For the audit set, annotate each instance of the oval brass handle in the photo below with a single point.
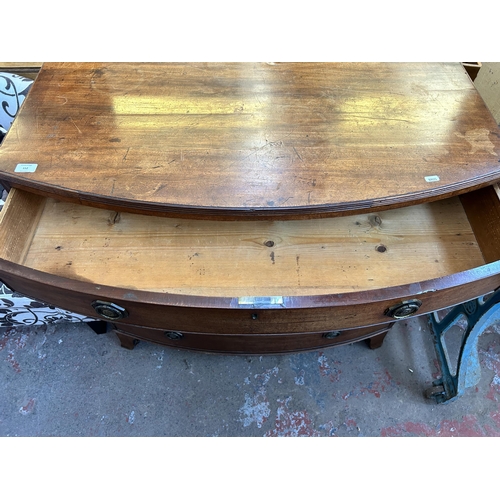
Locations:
(174, 335)
(403, 309)
(108, 310)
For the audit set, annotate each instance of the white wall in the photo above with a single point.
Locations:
(487, 83)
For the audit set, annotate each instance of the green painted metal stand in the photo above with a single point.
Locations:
(478, 315)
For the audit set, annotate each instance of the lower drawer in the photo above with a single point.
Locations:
(249, 343)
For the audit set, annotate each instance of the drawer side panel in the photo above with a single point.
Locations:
(19, 220)
(483, 211)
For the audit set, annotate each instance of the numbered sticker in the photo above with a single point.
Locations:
(431, 178)
(26, 167)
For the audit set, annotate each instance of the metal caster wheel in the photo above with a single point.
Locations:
(435, 392)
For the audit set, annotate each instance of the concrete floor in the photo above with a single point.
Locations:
(64, 380)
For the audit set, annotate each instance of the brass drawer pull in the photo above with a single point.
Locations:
(403, 309)
(331, 335)
(174, 335)
(108, 310)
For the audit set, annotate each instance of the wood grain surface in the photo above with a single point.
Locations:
(250, 258)
(252, 139)
(19, 220)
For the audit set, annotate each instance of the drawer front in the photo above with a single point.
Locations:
(249, 343)
(33, 228)
(202, 314)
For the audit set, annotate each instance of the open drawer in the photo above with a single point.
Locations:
(251, 277)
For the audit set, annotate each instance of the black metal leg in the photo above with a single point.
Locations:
(479, 314)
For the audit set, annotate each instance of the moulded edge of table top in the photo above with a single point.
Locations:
(236, 140)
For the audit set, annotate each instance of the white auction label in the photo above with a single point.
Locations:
(260, 301)
(431, 178)
(26, 167)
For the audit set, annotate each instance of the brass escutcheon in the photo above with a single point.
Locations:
(108, 310)
(403, 309)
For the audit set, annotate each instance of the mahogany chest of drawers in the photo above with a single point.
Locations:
(251, 208)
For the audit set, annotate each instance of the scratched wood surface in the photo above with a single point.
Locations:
(252, 258)
(252, 139)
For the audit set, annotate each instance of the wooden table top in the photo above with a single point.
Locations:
(252, 139)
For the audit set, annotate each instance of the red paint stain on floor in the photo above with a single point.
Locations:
(326, 370)
(467, 427)
(291, 423)
(28, 407)
(14, 344)
(380, 384)
(491, 393)
(13, 362)
(20, 342)
(495, 418)
(351, 424)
